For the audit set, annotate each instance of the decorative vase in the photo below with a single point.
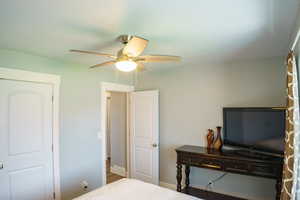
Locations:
(218, 142)
(210, 138)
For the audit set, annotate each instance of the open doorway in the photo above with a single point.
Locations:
(116, 130)
(141, 133)
(107, 157)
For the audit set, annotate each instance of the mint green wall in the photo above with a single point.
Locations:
(80, 149)
(191, 101)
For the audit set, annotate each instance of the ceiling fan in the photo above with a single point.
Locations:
(129, 57)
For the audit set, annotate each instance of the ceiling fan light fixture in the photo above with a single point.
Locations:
(130, 57)
(126, 65)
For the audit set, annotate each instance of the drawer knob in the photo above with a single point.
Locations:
(211, 166)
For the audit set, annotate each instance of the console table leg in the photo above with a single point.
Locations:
(187, 176)
(278, 188)
(179, 177)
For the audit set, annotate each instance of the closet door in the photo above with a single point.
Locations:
(26, 160)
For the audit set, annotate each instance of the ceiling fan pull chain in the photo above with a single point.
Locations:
(116, 75)
(135, 77)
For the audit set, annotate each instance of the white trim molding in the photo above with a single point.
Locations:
(104, 88)
(167, 185)
(54, 80)
(121, 171)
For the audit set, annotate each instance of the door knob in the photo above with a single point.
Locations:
(1, 166)
(154, 145)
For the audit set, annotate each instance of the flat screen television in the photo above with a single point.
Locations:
(261, 129)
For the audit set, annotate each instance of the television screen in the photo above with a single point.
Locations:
(256, 128)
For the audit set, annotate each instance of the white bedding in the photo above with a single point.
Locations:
(131, 189)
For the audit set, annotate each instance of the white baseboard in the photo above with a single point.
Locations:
(167, 185)
(121, 171)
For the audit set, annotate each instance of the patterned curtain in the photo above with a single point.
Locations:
(290, 179)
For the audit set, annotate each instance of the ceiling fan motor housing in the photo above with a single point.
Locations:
(124, 39)
(122, 57)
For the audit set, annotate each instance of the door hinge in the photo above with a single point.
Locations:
(53, 195)
(52, 147)
(52, 98)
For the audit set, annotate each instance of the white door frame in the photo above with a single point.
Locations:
(104, 88)
(54, 80)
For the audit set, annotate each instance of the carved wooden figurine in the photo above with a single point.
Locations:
(218, 142)
(210, 138)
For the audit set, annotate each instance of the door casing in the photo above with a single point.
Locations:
(104, 88)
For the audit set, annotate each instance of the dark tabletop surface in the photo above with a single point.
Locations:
(225, 153)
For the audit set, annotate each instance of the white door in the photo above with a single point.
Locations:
(144, 137)
(26, 166)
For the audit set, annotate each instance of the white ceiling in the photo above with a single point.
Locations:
(195, 29)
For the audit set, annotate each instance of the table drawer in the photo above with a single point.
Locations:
(203, 162)
(237, 167)
(261, 169)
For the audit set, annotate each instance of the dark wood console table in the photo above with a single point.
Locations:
(227, 161)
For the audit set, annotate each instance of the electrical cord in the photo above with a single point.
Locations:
(210, 183)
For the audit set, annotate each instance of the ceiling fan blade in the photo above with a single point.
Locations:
(135, 46)
(159, 58)
(104, 64)
(95, 53)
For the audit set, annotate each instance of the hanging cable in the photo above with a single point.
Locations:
(211, 182)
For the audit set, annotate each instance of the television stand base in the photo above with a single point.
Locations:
(225, 161)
